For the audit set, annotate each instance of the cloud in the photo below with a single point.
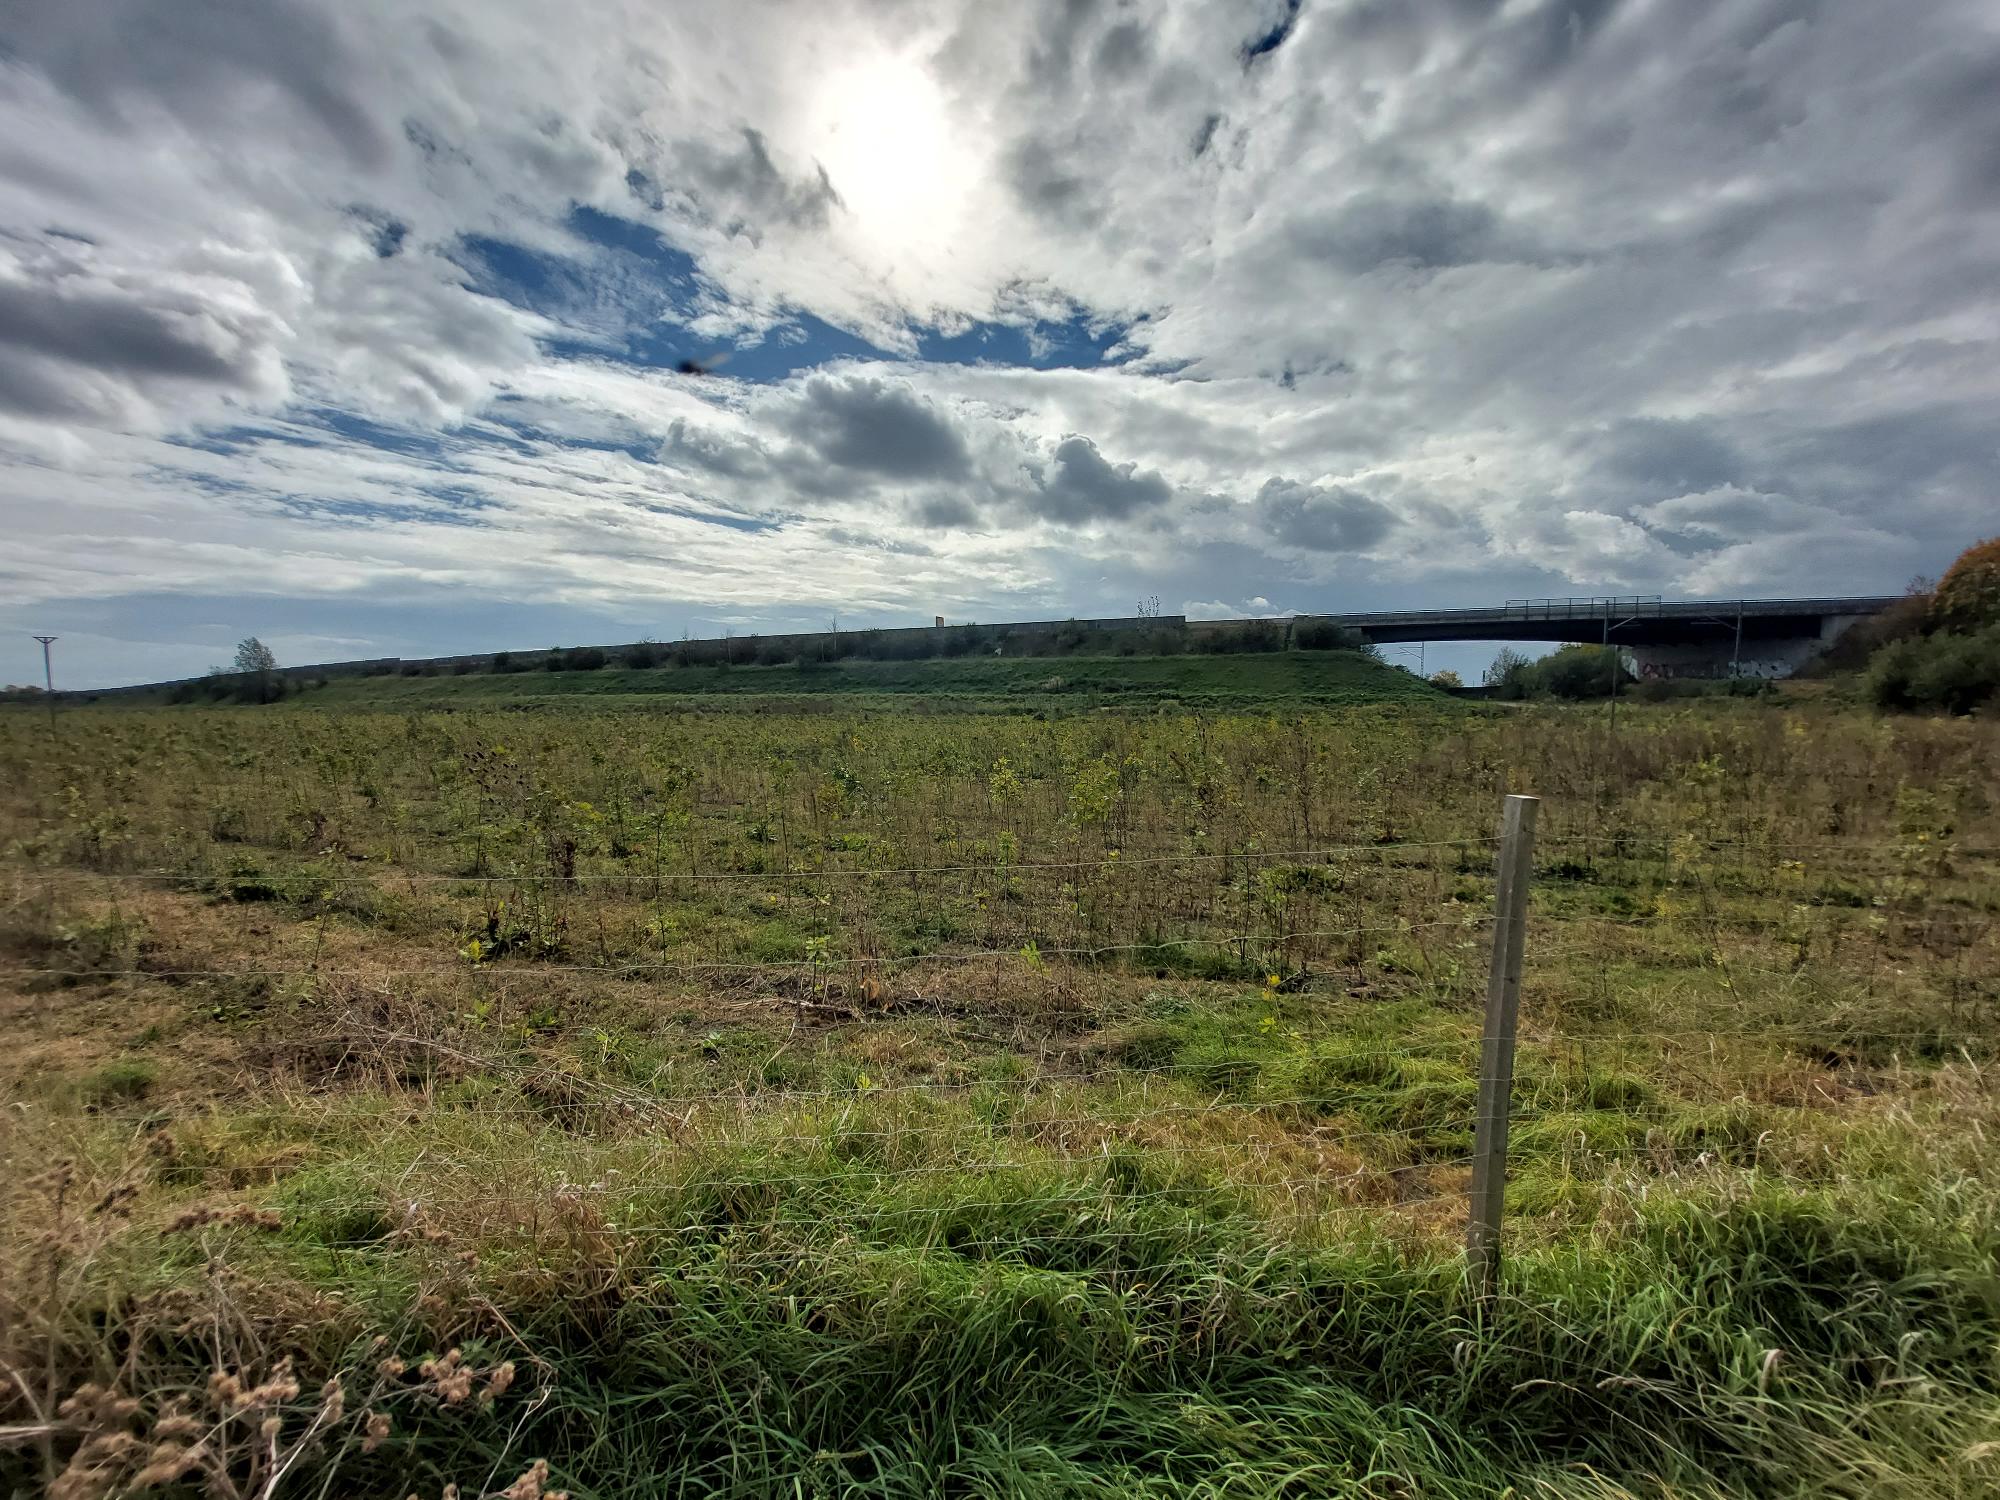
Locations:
(205, 64)
(875, 426)
(1669, 454)
(1254, 608)
(1382, 229)
(1322, 520)
(79, 339)
(1082, 486)
(740, 185)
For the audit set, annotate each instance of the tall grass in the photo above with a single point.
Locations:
(829, 1104)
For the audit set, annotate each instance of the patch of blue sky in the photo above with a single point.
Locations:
(749, 524)
(1076, 343)
(628, 299)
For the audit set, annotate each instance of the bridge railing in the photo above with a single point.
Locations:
(1570, 609)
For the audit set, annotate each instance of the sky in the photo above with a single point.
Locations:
(407, 327)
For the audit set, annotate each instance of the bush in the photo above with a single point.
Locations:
(1855, 647)
(645, 654)
(1578, 672)
(1954, 673)
(1249, 636)
(1324, 635)
(1574, 672)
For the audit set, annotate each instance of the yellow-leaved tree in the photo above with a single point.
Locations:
(1968, 596)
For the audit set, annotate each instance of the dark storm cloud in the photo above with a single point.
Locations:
(1322, 520)
(876, 427)
(1083, 486)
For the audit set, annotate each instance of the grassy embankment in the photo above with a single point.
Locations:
(1307, 678)
(840, 1104)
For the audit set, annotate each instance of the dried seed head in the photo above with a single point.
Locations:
(498, 1379)
(529, 1485)
(167, 1463)
(376, 1428)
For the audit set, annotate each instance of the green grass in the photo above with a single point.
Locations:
(1327, 678)
(826, 1306)
(1114, 1143)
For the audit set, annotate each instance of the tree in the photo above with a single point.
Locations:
(1507, 668)
(1579, 671)
(1447, 679)
(1968, 596)
(254, 656)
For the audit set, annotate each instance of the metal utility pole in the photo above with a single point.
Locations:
(48, 674)
(1612, 659)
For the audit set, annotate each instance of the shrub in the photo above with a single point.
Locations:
(1249, 636)
(1577, 672)
(1574, 672)
(1324, 635)
(1968, 596)
(645, 654)
(1955, 673)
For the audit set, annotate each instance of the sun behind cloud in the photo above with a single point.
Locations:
(882, 131)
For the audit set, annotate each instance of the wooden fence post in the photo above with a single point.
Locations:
(1496, 1054)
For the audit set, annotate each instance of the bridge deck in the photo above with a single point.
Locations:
(1632, 621)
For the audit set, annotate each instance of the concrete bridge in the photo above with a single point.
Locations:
(1666, 638)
